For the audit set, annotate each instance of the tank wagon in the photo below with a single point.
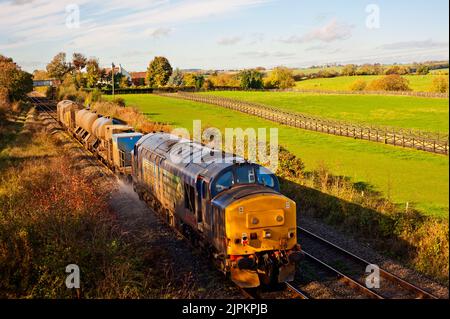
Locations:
(231, 208)
(109, 139)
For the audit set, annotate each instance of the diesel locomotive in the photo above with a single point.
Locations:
(233, 209)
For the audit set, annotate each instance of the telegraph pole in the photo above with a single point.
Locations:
(112, 72)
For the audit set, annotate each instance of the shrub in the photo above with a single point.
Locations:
(119, 101)
(440, 84)
(358, 85)
(393, 82)
(397, 69)
(281, 78)
(93, 96)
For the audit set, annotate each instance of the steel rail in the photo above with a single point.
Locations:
(300, 294)
(346, 279)
(385, 274)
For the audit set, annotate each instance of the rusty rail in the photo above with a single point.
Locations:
(418, 292)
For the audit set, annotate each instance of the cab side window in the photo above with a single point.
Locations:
(224, 182)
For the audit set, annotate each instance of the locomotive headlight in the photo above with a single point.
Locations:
(255, 221)
(291, 233)
(267, 234)
(279, 218)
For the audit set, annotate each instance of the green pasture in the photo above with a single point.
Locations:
(428, 114)
(403, 175)
(418, 83)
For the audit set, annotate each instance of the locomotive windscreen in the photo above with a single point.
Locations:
(244, 174)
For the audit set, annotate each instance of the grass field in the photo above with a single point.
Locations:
(402, 175)
(418, 83)
(427, 114)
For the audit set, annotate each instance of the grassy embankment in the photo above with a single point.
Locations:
(54, 212)
(417, 83)
(351, 184)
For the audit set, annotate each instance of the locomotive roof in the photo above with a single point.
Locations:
(186, 157)
(235, 193)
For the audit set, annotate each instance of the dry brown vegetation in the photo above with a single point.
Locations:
(130, 115)
(54, 212)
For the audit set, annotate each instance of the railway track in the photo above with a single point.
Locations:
(49, 108)
(346, 276)
(353, 269)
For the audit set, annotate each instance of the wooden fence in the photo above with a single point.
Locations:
(396, 93)
(420, 140)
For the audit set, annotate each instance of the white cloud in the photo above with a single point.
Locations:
(332, 31)
(103, 22)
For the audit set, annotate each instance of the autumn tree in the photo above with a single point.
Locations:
(440, 84)
(79, 61)
(397, 69)
(393, 82)
(225, 79)
(358, 85)
(176, 79)
(251, 79)
(280, 77)
(194, 80)
(189, 79)
(349, 70)
(58, 67)
(93, 72)
(159, 72)
(13, 81)
(423, 69)
(40, 75)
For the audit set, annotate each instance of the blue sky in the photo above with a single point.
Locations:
(225, 34)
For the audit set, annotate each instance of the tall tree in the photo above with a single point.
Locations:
(176, 79)
(251, 79)
(13, 80)
(58, 67)
(159, 72)
(349, 70)
(93, 72)
(280, 77)
(79, 61)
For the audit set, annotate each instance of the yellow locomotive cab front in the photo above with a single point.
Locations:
(261, 233)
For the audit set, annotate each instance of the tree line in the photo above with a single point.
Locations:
(81, 72)
(161, 74)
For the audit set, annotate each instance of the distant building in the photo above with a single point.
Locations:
(138, 78)
(117, 70)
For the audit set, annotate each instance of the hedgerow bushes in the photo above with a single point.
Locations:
(403, 233)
